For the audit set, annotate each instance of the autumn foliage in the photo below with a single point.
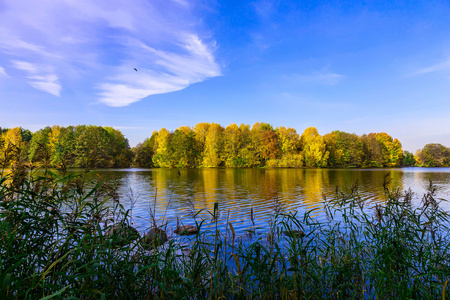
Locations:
(79, 146)
(209, 145)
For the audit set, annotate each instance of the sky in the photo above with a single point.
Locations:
(141, 65)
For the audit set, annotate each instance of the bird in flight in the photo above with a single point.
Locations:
(135, 69)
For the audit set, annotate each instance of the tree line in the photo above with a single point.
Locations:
(209, 145)
(82, 146)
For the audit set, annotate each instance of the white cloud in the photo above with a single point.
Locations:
(101, 42)
(3, 72)
(444, 65)
(24, 66)
(47, 86)
(10, 44)
(137, 87)
(41, 78)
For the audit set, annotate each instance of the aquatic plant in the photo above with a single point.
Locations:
(54, 244)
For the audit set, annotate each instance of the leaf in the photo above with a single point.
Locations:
(55, 293)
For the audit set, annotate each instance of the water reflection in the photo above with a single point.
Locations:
(182, 193)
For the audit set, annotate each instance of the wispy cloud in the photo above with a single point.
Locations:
(319, 77)
(24, 66)
(444, 65)
(48, 83)
(40, 77)
(3, 72)
(56, 44)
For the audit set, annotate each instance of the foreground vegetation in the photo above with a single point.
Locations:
(210, 145)
(56, 242)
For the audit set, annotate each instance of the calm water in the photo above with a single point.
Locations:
(181, 193)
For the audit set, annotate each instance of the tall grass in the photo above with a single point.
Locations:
(54, 244)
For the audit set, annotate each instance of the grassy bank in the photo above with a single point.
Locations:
(60, 240)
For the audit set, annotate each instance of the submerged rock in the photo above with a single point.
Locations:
(294, 233)
(186, 230)
(154, 237)
(123, 234)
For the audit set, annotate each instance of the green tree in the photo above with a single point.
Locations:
(26, 135)
(183, 148)
(392, 151)
(119, 149)
(433, 155)
(372, 151)
(346, 149)
(380, 150)
(143, 152)
(92, 147)
(39, 151)
(395, 154)
(249, 155)
(62, 145)
(408, 159)
(232, 144)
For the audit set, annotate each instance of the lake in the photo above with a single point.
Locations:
(181, 193)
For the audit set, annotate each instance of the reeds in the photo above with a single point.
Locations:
(54, 244)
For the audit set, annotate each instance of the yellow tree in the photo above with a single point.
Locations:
(2, 143)
(162, 156)
(212, 155)
(12, 145)
(186, 129)
(232, 143)
(396, 153)
(386, 146)
(289, 144)
(314, 148)
(62, 146)
(346, 149)
(200, 131)
(382, 151)
(288, 139)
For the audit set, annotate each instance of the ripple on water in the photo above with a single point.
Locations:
(237, 191)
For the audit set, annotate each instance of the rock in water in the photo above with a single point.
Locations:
(154, 237)
(186, 230)
(123, 234)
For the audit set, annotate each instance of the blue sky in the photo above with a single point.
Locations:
(354, 66)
